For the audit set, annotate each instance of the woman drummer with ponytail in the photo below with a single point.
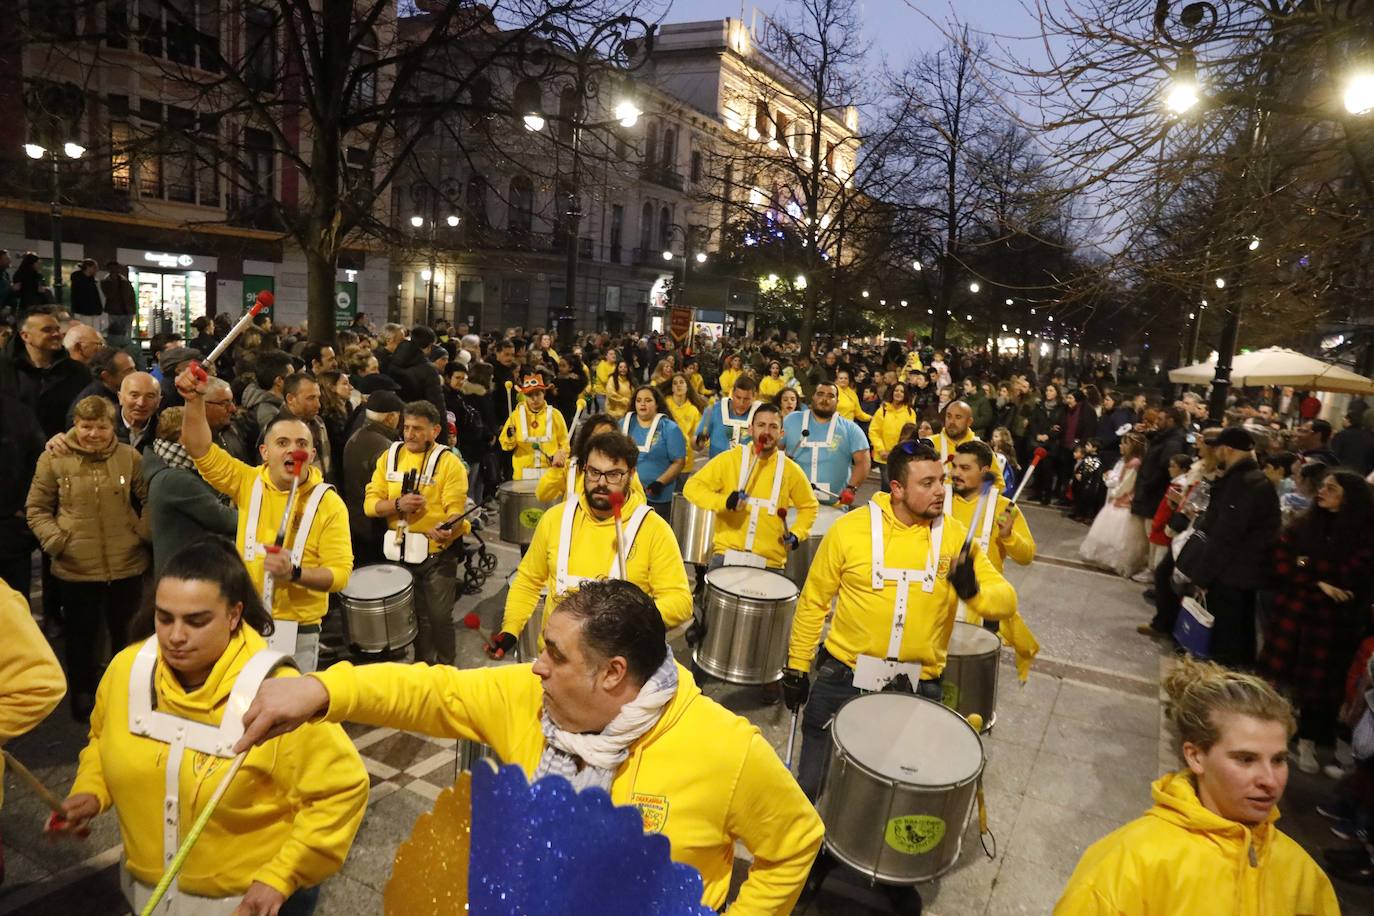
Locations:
(1209, 844)
(160, 743)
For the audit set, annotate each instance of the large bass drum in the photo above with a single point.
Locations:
(799, 561)
(970, 676)
(748, 620)
(521, 511)
(901, 785)
(695, 530)
(379, 608)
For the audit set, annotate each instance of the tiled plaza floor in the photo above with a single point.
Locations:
(1071, 758)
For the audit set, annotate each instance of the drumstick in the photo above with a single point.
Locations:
(264, 300)
(180, 859)
(1039, 455)
(510, 406)
(617, 503)
(473, 622)
(792, 737)
(299, 466)
(988, 479)
(52, 801)
(755, 456)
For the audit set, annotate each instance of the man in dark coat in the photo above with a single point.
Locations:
(1152, 479)
(418, 378)
(40, 374)
(381, 425)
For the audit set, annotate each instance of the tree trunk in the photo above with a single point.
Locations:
(320, 272)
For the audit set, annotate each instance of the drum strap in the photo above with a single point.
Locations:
(653, 428)
(570, 487)
(984, 536)
(755, 504)
(522, 421)
(815, 445)
(181, 734)
(905, 578)
(250, 532)
(564, 581)
(737, 428)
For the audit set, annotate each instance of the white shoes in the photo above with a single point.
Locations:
(1144, 577)
(1307, 756)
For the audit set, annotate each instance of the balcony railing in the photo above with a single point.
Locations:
(660, 175)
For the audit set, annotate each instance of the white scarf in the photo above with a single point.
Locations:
(603, 753)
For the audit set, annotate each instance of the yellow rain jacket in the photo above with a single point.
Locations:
(1180, 859)
(849, 406)
(444, 499)
(547, 422)
(287, 819)
(727, 381)
(698, 384)
(863, 618)
(31, 680)
(913, 361)
(769, 387)
(711, 486)
(1021, 548)
(654, 559)
(328, 543)
(604, 370)
(886, 429)
(702, 777)
(688, 418)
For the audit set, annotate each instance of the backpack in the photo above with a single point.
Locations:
(472, 432)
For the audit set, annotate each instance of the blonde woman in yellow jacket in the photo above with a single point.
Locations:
(885, 428)
(289, 816)
(31, 681)
(685, 406)
(1209, 843)
(734, 368)
(849, 406)
(700, 775)
(619, 388)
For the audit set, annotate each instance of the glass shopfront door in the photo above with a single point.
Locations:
(167, 300)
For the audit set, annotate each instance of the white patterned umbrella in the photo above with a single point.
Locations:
(1279, 366)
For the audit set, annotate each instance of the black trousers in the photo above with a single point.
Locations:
(1166, 599)
(88, 605)
(1233, 632)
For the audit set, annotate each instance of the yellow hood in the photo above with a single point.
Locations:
(206, 702)
(1176, 803)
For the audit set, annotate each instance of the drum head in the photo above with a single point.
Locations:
(748, 582)
(513, 487)
(825, 517)
(909, 740)
(971, 639)
(379, 581)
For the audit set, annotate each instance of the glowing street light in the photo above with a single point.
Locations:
(1359, 94)
(452, 221)
(627, 113)
(1183, 88)
(1254, 244)
(534, 122)
(974, 287)
(1009, 302)
(864, 294)
(701, 257)
(1221, 282)
(667, 255)
(417, 221)
(916, 266)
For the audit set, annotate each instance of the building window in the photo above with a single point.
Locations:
(258, 171)
(760, 120)
(475, 204)
(567, 113)
(520, 203)
(472, 293)
(696, 165)
(120, 168)
(358, 172)
(179, 166)
(665, 228)
(260, 38)
(209, 165)
(365, 71)
(617, 227)
(670, 151)
(780, 125)
(117, 23)
(646, 229)
(830, 158)
(650, 143)
(479, 101)
(528, 100)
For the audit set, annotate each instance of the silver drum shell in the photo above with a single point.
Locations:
(746, 638)
(695, 530)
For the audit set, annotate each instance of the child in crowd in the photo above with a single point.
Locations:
(1160, 537)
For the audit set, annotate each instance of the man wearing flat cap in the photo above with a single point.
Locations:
(1241, 526)
(381, 427)
(172, 361)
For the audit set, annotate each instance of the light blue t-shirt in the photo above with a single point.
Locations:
(720, 433)
(833, 463)
(654, 457)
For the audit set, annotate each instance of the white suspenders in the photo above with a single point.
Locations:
(874, 673)
(570, 487)
(400, 544)
(181, 734)
(653, 428)
(565, 581)
(737, 427)
(536, 442)
(251, 548)
(755, 504)
(989, 513)
(816, 445)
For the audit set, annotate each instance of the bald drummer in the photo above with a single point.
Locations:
(899, 576)
(957, 430)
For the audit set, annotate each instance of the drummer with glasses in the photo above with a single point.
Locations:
(421, 488)
(899, 574)
(831, 450)
(576, 542)
(317, 555)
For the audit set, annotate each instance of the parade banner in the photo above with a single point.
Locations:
(680, 323)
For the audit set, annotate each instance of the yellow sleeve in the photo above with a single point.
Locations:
(802, 498)
(453, 493)
(323, 776)
(223, 471)
(90, 772)
(31, 680)
(333, 544)
(782, 831)
(859, 411)
(532, 574)
(822, 585)
(476, 704)
(667, 575)
(377, 488)
(560, 431)
(875, 434)
(552, 484)
(708, 487)
(996, 599)
(1021, 545)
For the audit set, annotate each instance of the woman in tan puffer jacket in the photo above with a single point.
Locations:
(81, 507)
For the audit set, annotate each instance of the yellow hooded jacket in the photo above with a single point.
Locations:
(512, 441)
(444, 498)
(711, 486)
(849, 406)
(727, 381)
(1180, 859)
(31, 680)
(287, 819)
(702, 777)
(655, 563)
(863, 617)
(327, 545)
(1021, 548)
(770, 386)
(886, 429)
(688, 418)
(604, 370)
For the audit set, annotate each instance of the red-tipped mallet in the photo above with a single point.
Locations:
(989, 480)
(753, 455)
(473, 622)
(1036, 458)
(617, 501)
(57, 818)
(299, 466)
(265, 300)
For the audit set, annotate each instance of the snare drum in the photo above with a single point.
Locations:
(695, 530)
(748, 619)
(970, 676)
(379, 608)
(799, 561)
(521, 511)
(901, 785)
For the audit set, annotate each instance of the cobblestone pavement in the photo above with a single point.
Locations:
(1071, 758)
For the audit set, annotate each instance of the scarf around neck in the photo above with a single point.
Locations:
(603, 753)
(173, 454)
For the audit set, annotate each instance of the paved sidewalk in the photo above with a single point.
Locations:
(1071, 758)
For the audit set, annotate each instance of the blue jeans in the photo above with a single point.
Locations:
(832, 685)
(301, 903)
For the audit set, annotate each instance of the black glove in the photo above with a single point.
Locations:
(962, 578)
(734, 499)
(789, 540)
(502, 646)
(654, 488)
(796, 688)
(696, 632)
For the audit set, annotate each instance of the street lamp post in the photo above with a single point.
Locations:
(418, 192)
(72, 151)
(619, 45)
(680, 293)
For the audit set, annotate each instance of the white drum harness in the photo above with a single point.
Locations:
(522, 424)
(283, 638)
(564, 581)
(406, 546)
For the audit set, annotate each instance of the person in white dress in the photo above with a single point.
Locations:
(1116, 541)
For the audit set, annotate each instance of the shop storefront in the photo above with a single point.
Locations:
(170, 288)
